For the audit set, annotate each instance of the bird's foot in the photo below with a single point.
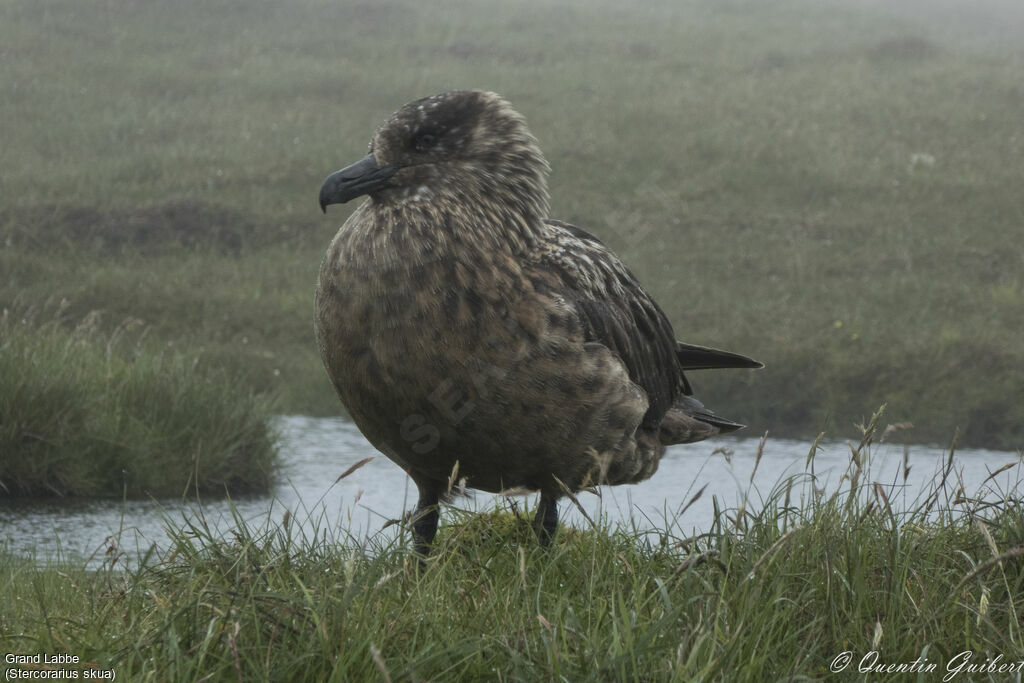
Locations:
(424, 521)
(545, 522)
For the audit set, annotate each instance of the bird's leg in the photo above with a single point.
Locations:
(546, 520)
(424, 522)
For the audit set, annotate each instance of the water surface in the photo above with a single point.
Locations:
(316, 451)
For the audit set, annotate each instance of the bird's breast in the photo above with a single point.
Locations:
(397, 324)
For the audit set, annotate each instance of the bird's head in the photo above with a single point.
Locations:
(463, 146)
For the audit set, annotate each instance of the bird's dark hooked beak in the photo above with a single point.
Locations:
(362, 177)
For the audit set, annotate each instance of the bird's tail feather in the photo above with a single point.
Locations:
(689, 421)
(692, 357)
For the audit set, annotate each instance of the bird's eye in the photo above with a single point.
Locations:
(424, 142)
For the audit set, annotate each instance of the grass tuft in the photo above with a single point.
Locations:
(87, 413)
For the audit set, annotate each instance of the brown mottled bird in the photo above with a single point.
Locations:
(468, 334)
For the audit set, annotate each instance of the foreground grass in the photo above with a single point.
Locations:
(831, 188)
(84, 413)
(764, 594)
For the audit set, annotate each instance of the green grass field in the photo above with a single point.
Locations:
(779, 592)
(832, 189)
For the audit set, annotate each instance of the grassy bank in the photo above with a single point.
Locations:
(832, 189)
(765, 594)
(85, 413)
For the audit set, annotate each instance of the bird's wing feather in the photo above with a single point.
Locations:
(614, 310)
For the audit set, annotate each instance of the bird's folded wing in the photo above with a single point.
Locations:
(615, 311)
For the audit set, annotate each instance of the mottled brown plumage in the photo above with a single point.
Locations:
(459, 324)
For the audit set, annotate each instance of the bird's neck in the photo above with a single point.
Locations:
(441, 227)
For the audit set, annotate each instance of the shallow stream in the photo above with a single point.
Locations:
(316, 451)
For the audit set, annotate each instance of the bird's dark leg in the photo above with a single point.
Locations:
(546, 520)
(424, 522)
